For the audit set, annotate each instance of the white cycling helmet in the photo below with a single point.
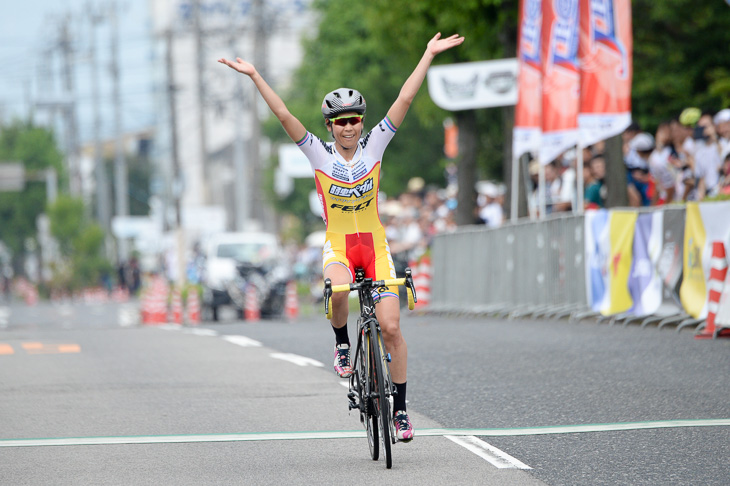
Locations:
(343, 100)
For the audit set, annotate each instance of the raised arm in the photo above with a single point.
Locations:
(291, 124)
(410, 88)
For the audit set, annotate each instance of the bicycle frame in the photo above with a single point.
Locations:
(371, 387)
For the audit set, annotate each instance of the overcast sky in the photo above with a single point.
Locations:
(29, 28)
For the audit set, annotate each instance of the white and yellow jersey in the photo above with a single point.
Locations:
(348, 192)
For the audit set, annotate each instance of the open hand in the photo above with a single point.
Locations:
(437, 44)
(240, 65)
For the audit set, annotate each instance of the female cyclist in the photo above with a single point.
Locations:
(347, 176)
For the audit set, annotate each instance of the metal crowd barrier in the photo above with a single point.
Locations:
(527, 268)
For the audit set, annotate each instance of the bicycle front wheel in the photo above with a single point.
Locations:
(367, 390)
(381, 402)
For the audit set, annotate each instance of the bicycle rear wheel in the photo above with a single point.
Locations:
(381, 402)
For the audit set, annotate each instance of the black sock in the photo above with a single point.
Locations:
(399, 400)
(341, 336)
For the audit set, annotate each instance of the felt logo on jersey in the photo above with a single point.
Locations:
(354, 208)
(357, 191)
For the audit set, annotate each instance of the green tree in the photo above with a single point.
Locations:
(35, 147)
(489, 27)
(680, 58)
(81, 244)
(373, 50)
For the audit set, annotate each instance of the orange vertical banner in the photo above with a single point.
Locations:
(560, 77)
(528, 111)
(606, 68)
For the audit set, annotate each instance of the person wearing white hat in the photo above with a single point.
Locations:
(722, 126)
(637, 169)
(490, 210)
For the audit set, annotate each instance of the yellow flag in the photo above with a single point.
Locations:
(693, 292)
(621, 233)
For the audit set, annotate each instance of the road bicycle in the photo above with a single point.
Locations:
(371, 389)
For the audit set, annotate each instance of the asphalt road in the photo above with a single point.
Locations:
(99, 399)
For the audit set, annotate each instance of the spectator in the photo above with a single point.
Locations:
(688, 119)
(553, 189)
(588, 178)
(133, 278)
(707, 156)
(631, 131)
(490, 209)
(665, 174)
(682, 160)
(722, 125)
(637, 166)
(595, 192)
(567, 197)
(724, 182)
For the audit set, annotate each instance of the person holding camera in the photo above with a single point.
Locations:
(707, 156)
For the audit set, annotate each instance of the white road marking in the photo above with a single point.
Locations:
(243, 341)
(128, 316)
(4, 316)
(488, 452)
(65, 310)
(297, 360)
(170, 327)
(200, 332)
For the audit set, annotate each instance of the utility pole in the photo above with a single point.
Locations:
(176, 173)
(242, 179)
(71, 131)
(103, 212)
(202, 131)
(120, 164)
(260, 49)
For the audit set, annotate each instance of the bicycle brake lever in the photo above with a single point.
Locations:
(410, 285)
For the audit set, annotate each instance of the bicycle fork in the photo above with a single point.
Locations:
(360, 387)
(360, 377)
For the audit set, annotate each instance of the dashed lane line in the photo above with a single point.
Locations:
(243, 341)
(355, 434)
(496, 457)
(297, 360)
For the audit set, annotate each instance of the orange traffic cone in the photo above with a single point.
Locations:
(291, 305)
(154, 303)
(144, 306)
(193, 307)
(422, 282)
(252, 312)
(177, 309)
(718, 272)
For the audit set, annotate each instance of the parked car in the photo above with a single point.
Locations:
(235, 262)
